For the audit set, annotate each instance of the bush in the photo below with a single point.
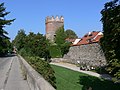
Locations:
(23, 52)
(44, 68)
(55, 51)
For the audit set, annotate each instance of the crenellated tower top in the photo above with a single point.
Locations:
(54, 19)
(52, 25)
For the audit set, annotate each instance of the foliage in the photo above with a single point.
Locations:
(3, 22)
(111, 40)
(33, 47)
(19, 41)
(67, 79)
(23, 52)
(60, 41)
(37, 45)
(65, 48)
(60, 36)
(43, 68)
(55, 51)
(70, 34)
(32, 44)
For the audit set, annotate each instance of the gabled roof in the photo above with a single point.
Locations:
(90, 37)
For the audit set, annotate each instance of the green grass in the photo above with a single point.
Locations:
(67, 79)
(72, 80)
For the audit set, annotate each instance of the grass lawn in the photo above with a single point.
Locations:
(67, 79)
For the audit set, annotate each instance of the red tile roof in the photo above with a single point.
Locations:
(90, 37)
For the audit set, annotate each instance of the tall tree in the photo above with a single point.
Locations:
(60, 36)
(19, 41)
(70, 34)
(60, 40)
(3, 33)
(111, 40)
(32, 44)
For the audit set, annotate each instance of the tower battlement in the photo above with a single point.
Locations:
(52, 25)
(54, 19)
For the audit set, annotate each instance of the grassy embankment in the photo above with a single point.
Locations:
(71, 80)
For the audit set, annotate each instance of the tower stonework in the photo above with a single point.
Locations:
(52, 25)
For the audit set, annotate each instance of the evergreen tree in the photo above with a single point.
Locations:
(111, 40)
(3, 33)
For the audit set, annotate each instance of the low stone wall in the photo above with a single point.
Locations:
(91, 55)
(57, 60)
(35, 80)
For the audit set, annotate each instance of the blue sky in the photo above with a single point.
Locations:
(81, 16)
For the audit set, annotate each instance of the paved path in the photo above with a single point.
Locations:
(75, 68)
(13, 77)
(5, 64)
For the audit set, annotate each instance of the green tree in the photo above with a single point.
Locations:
(8, 45)
(3, 33)
(70, 34)
(33, 47)
(19, 41)
(32, 44)
(111, 40)
(60, 40)
(37, 45)
(60, 36)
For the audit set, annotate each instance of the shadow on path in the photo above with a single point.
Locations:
(8, 55)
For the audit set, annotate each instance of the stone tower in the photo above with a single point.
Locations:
(52, 25)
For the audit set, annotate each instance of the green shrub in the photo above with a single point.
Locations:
(23, 52)
(55, 51)
(43, 68)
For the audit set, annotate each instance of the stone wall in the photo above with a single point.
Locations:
(90, 54)
(34, 79)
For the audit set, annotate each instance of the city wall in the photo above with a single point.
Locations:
(90, 54)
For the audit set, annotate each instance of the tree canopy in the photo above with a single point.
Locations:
(111, 40)
(70, 34)
(19, 41)
(32, 44)
(33, 47)
(3, 34)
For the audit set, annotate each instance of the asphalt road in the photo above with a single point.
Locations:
(11, 77)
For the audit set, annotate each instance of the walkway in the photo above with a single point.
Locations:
(13, 77)
(75, 68)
